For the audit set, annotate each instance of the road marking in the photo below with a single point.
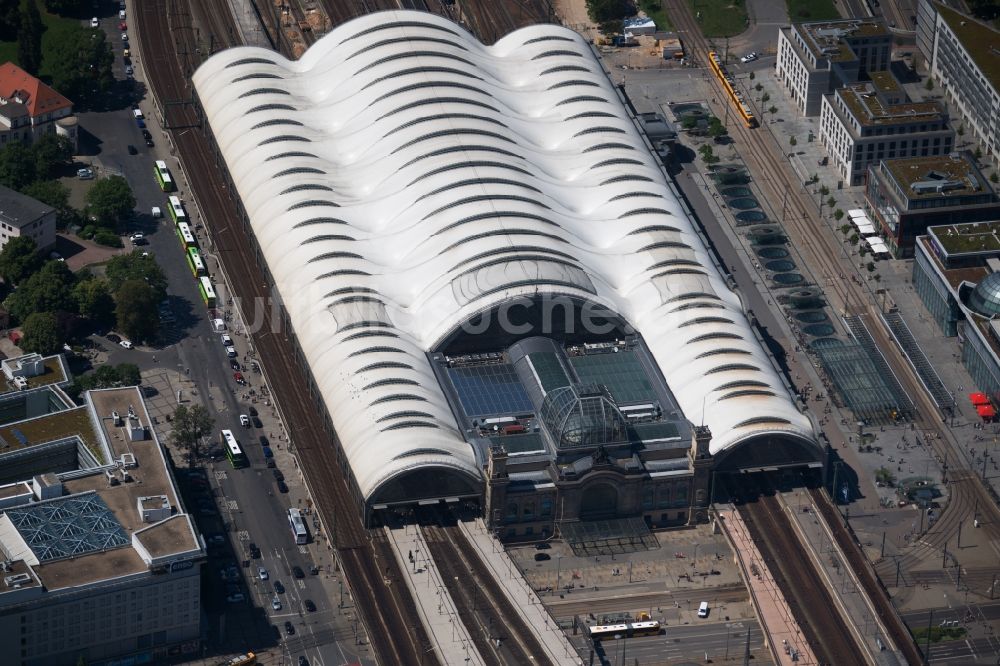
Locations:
(232, 504)
(302, 584)
(303, 550)
(244, 535)
(220, 475)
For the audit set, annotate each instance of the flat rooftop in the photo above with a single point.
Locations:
(869, 109)
(981, 41)
(974, 237)
(946, 171)
(831, 39)
(885, 81)
(49, 428)
(55, 373)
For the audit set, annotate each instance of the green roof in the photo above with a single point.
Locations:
(966, 238)
(981, 41)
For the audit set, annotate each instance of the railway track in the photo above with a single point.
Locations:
(806, 594)
(486, 611)
(768, 163)
(368, 568)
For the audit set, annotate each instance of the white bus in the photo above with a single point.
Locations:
(233, 450)
(177, 212)
(185, 235)
(299, 532)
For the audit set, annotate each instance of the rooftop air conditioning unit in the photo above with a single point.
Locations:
(17, 580)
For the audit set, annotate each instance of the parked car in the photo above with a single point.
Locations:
(126, 344)
(148, 138)
(235, 365)
(130, 148)
(238, 376)
(541, 557)
(262, 573)
(226, 340)
(244, 420)
(289, 628)
(129, 72)
(278, 476)
(750, 57)
(141, 123)
(94, 23)
(278, 587)
(297, 572)
(251, 410)
(309, 605)
(137, 239)
(122, 26)
(268, 453)
(256, 422)
(231, 352)
(121, 13)
(236, 598)
(254, 550)
(85, 174)
(263, 441)
(124, 37)
(282, 488)
(276, 603)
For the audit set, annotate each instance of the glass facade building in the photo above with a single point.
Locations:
(935, 295)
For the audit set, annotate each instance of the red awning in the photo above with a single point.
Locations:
(979, 399)
(986, 411)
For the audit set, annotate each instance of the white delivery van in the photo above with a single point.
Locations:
(703, 609)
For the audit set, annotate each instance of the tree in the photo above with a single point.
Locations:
(839, 215)
(773, 109)
(80, 64)
(831, 202)
(715, 127)
(47, 290)
(65, 7)
(134, 266)
(135, 311)
(765, 98)
(111, 201)
(603, 11)
(854, 238)
(19, 259)
(42, 333)
(50, 192)
(792, 141)
(94, 302)
(753, 76)
(191, 424)
(17, 165)
(759, 87)
(52, 153)
(824, 190)
(29, 38)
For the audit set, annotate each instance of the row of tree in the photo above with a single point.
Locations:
(50, 301)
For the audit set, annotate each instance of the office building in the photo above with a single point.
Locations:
(906, 196)
(98, 559)
(864, 123)
(814, 59)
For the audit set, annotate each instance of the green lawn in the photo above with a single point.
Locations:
(55, 29)
(720, 18)
(654, 10)
(811, 10)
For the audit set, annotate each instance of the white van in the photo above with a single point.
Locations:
(703, 609)
(137, 112)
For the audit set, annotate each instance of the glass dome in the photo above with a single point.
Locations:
(583, 416)
(985, 298)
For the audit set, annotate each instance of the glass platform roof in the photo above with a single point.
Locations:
(621, 373)
(68, 527)
(489, 389)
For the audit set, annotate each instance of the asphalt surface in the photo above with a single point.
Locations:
(699, 643)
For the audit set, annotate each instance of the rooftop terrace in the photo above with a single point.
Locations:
(975, 237)
(830, 39)
(981, 41)
(910, 170)
(865, 105)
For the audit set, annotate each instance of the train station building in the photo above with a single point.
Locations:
(494, 288)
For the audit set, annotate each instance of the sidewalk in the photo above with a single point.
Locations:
(776, 620)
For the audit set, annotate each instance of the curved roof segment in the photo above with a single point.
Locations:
(401, 177)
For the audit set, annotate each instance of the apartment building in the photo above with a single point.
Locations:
(20, 215)
(30, 109)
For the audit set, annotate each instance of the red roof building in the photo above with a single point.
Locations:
(46, 108)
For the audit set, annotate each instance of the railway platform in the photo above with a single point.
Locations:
(437, 610)
(557, 647)
(782, 633)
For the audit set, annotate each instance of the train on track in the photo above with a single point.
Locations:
(735, 97)
(624, 629)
